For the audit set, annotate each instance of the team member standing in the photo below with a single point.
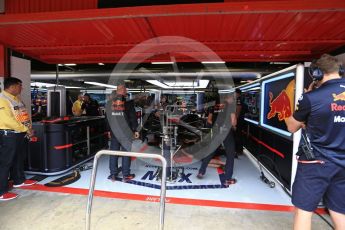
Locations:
(241, 109)
(227, 123)
(76, 108)
(15, 125)
(90, 106)
(123, 122)
(322, 112)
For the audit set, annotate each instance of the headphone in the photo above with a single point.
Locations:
(317, 74)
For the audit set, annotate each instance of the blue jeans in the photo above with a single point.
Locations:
(229, 145)
(122, 145)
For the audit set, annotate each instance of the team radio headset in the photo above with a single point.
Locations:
(317, 74)
(305, 149)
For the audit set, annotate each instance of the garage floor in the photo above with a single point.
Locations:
(191, 203)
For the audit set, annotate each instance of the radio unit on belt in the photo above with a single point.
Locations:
(306, 149)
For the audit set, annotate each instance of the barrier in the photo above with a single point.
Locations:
(127, 154)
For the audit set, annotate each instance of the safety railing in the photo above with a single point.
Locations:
(127, 154)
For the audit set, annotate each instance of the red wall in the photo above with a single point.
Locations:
(2, 61)
(31, 6)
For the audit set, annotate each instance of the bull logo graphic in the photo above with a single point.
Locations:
(339, 97)
(280, 105)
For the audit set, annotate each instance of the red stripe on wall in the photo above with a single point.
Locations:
(63, 146)
(268, 147)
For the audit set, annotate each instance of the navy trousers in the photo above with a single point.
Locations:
(12, 152)
(121, 145)
(229, 145)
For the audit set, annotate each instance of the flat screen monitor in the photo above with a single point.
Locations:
(277, 97)
(251, 99)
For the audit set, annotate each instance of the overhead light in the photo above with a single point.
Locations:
(198, 84)
(68, 64)
(72, 87)
(157, 83)
(106, 91)
(100, 84)
(213, 62)
(181, 91)
(249, 86)
(162, 62)
(251, 89)
(100, 63)
(203, 83)
(42, 84)
(226, 90)
(280, 63)
(181, 83)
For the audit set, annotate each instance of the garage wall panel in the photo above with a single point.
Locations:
(34, 6)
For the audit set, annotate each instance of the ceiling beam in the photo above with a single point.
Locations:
(209, 43)
(254, 7)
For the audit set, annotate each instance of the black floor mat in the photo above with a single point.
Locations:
(38, 178)
(65, 180)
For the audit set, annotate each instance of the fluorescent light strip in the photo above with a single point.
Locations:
(181, 84)
(251, 89)
(100, 84)
(162, 62)
(203, 83)
(251, 121)
(226, 90)
(72, 87)
(41, 84)
(68, 64)
(157, 83)
(213, 62)
(181, 91)
(171, 85)
(249, 86)
(280, 63)
(106, 91)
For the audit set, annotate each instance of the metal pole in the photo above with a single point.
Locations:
(127, 154)
(88, 139)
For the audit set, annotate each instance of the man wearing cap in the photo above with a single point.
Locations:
(15, 126)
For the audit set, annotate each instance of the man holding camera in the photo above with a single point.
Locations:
(321, 172)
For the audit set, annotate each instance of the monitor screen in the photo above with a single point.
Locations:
(277, 96)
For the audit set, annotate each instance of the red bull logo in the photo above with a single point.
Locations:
(219, 107)
(280, 105)
(339, 97)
